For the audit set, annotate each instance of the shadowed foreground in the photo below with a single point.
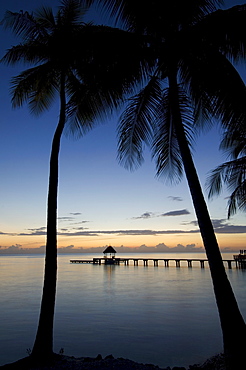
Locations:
(60, 362)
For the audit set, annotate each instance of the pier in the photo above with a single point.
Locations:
(166, 262)
(241, 259)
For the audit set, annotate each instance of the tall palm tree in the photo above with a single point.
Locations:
(84, 66)
(193, 44)
(231, 173)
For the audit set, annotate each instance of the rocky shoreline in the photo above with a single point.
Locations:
(62, 362)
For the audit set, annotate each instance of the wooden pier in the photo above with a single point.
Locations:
(240, 259)
(153, 261)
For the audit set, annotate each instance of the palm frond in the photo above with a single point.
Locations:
(86, 107)
(236, 173)
(214, 85)
(214, 182)
(88, 103)
(237, 200)
(114, 56)
(165, 146)
(23, 24)
(234, 143)
(71, 12)
(225, 30)
(35, 86)
(45, 18)
(228, 97)
(108, 70)
(136, 124)
(29, 52)
(151, 16)
(233, 175)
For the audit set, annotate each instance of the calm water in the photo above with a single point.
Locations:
(161, 315)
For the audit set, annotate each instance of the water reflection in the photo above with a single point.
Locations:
(108, 279)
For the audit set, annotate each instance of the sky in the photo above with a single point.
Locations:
(100, 203)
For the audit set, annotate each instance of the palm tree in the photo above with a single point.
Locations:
(83, 65)
(231, 173)
(194, 80)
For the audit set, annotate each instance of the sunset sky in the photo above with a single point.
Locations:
(100, 202)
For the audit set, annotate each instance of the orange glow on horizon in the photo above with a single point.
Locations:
(232, 241)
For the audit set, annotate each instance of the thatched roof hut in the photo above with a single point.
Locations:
(109, 250)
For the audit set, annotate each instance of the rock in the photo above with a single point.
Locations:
(214, 363)
(109, 357)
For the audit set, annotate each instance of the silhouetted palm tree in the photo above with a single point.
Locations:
(80, 64)
(231, 173)
(194, 80)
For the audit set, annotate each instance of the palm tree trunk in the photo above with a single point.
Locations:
(43, 345)
(232, 323)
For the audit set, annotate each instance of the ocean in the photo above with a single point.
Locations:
(166, 316)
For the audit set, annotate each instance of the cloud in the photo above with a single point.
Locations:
(137, 232)
(80, 222)
(70, 218)
(231, 229)
(176, 199)
(221, 226)
(224, 227)
(10, 234)
(145, 215)
(180, 212)
(159, 248)
(17, 249)
(36, 231)
(164, 248)
(43, 228)
(81, 228)
(132, 232)
(148, 215)
(68, 249)
(65, 218)
(80, 233)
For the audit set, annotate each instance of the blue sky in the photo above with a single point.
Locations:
(100, 203)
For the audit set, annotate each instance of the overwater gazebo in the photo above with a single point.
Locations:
(109, 252)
